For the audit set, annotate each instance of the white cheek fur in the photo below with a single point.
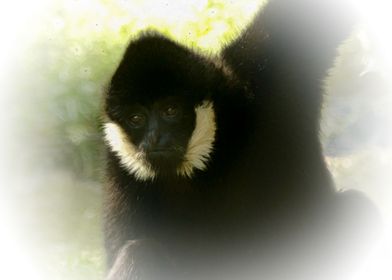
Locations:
(201, 142)
(132, 159)
(198, 152)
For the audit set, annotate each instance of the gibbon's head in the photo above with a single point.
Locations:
(160, 109)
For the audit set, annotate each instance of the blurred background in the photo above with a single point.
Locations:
(56, 58)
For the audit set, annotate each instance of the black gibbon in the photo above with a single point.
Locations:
(214, 166)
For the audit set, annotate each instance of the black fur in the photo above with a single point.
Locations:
(266, 187)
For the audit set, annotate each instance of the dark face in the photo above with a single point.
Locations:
(161, 130)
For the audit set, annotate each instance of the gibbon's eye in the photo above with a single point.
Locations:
(137, 120)
(170, 111)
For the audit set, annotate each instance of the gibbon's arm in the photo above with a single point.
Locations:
(290, 41)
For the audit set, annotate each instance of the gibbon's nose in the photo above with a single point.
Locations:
(154, 139)
(151, 141)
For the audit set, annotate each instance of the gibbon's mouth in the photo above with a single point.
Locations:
(160, 151)
(165, 151)
(168, 151)
(164, 157)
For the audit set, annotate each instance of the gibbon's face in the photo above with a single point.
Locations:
(160, 120)
(167, 136)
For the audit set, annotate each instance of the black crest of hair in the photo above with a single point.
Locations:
(265, 203)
